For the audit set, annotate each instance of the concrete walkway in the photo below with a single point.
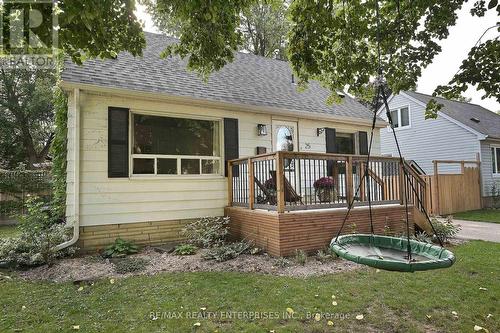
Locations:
(479, 230)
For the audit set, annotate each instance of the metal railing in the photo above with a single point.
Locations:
(286, 181)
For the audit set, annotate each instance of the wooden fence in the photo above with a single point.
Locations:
(449, 193)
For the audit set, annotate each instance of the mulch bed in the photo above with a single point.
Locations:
(89, 268)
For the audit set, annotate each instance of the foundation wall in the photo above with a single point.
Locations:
(95, 238)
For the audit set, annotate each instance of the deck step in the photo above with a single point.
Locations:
(420, 220)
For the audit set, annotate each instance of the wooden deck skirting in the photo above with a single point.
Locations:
(280, 234)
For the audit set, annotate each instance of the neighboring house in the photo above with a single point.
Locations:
(148, 140)
(462, 131)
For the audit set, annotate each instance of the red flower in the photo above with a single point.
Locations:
(324, 182)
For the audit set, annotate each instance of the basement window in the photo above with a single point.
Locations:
(170, 146)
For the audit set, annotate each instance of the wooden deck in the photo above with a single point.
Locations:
(275, 200)
(280, 234)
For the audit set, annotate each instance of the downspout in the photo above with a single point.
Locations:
(76, 172)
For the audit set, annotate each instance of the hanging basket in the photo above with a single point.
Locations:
(391, 253)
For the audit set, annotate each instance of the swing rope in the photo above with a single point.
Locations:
(380, 83)
(365, 176)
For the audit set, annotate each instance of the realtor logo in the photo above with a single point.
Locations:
(29, 33)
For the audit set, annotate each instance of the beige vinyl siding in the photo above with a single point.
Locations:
(309, 138)
(106, 200)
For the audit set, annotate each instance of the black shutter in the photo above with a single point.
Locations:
(231, 143)
(117, 142)
(330, 137)
(363, 143)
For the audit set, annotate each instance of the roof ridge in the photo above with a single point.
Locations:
(238, 52)
(447, 99)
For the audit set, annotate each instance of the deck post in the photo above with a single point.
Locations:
(280, 186)
(229, 184)
(362, 181)
(478, 164)
(402, 183)
(436, 186)
(251, 185)
(349, 180)
(428, 194)
(335, 175)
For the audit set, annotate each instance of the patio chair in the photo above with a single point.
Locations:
(290, 194)
(269, 197)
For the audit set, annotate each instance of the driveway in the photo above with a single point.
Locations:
(479, 230)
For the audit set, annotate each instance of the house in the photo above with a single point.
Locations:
(149, 144)
(462, 131)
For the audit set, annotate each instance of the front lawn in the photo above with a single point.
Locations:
(438, 301)
(482, 215)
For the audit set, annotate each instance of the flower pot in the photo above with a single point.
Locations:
(325, 194)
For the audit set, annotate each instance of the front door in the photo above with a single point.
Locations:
(284, 136)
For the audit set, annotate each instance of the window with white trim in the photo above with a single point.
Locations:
(400, 117)
(495, 160)
(175, 146)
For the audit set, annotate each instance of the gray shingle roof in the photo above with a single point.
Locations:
(249, 80)
(489, 122)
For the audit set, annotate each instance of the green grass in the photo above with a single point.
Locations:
(390, 302)
(8, 231)
(482, 215)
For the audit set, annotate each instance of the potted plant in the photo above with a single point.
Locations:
(325, 189)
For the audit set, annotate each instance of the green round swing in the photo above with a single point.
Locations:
(390, 253)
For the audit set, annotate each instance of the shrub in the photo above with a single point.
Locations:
(495, 196)
(445, 230)
(300, 257)
(185, 249)
(31, 249)
(422, 236)
(40, 232)
(226, 252)
(255, 250)
(282, 262)
(326, 255)
(120, 248)
(208, 231)
(129, 265)
(38, 217)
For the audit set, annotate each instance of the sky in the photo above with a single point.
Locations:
(455, 48)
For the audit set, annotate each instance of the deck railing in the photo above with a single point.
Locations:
(286, 181)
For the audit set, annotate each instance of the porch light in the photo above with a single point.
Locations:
(261, 130)
(320, 131)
